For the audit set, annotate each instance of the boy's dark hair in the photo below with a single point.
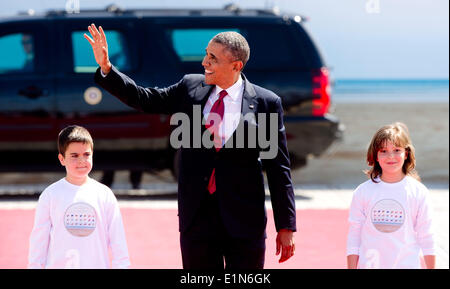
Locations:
(73, 133)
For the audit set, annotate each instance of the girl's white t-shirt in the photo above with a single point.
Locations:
(75, 226)
(390, 223)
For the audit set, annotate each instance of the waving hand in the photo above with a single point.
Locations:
(99, 47)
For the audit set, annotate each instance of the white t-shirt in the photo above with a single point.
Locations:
(390, 223)
(75, 225)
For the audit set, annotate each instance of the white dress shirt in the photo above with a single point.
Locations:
(232, 111)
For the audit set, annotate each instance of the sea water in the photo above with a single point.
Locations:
(388, 90)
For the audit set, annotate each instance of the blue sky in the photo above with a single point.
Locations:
(358, 38)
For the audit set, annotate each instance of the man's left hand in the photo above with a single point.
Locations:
(285, 244)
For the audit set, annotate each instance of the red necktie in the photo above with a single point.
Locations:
(217, 108)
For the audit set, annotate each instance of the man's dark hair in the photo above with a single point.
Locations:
(235, 43)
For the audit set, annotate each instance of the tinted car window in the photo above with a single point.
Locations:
(272, 47)
(84, 62)
(19, 49)
(190, 44)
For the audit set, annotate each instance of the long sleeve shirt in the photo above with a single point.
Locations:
(390, 223)
(75, 226)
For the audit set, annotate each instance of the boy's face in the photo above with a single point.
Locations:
(78, 162)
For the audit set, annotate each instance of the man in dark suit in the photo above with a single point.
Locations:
(221, 196)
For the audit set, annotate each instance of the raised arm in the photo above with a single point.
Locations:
(151, 100)
(99, 47)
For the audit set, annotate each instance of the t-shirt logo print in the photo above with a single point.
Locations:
(80, 219)
(387, 216)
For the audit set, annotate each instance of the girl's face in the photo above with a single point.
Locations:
(391, 159)
(78, 162)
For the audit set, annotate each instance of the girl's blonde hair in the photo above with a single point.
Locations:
(398, 134)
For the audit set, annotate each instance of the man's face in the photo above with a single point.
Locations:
(220, 67)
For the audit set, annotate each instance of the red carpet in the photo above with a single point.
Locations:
(153, 239)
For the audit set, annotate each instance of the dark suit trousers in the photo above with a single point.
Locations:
(207, 244)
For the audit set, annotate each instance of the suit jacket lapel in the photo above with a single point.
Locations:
(248, 105)
(201, 94)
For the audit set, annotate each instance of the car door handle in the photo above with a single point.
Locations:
(33, 92)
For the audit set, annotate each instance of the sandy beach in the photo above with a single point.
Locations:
(343, 163)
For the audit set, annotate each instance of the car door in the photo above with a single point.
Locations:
(27, 103)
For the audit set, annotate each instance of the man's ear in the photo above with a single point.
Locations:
(238, 65)
(61, 159)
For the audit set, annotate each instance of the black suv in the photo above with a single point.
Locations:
(46, 81)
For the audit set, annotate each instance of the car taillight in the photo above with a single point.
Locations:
(321, 91)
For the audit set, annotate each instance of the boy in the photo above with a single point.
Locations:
(77, 218)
